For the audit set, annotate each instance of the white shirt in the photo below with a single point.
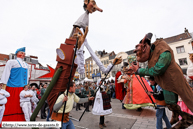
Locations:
(12, 64)
(3, 99)
(22, 94)
(83, 20)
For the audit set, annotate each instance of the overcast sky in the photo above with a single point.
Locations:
(42, 25)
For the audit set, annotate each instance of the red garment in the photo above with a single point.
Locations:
(13, 111)
(136, 94)
(119, 87)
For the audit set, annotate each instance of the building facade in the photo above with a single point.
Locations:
(181, 45)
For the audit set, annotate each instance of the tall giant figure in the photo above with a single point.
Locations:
(15, 76)
(66, 52)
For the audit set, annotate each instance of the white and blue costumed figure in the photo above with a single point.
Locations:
(15, 76)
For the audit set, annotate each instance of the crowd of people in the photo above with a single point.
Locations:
(87, 89)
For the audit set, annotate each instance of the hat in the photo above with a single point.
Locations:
(147, 39)
(1, 82)
(20, 50)
(191, 52)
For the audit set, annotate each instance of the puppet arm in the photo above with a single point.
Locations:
(80, 57)
(159, 68)
(7, 71)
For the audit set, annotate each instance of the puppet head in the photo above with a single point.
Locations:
(90, 6)
(191, 56)
(126, 68)
(20, 53)
(142, 49)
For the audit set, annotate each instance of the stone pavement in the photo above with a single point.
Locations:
(119, 119)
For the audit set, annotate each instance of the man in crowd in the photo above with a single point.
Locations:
(43, 114)
(34, 99)
(78, 93)
(159, 98)
(70, 98)
(25, 102)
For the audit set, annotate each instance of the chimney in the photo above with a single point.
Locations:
(186, 31)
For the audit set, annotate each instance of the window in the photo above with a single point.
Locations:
(180, 49)
(104, 62)
(107, 62)
(183, 61)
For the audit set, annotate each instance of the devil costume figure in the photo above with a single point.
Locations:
(167, 73)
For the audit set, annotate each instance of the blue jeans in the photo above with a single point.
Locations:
(160, 113)
(68, 125)
(48, 116)
(113, 96)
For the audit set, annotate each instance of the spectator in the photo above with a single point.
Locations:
(34, 99)
(86, 94)
(113, 89)
(108, 90)
(43, 114)
(3, 100)
(78, 93)
(25, 104)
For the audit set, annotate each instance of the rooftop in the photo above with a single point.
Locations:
(177, 38)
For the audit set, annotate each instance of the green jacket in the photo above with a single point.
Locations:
(43, 91)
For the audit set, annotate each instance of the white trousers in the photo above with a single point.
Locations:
(34, 106)
(2, 109)
(26, 108)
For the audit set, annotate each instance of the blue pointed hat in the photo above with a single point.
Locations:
(20, 49)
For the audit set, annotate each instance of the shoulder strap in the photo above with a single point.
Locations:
(19, 63)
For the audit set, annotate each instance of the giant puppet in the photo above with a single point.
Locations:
(167, 73)
(66, 52)
(15, 76)
(136, 96)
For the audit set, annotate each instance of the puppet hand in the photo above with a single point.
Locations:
(135, 67)
(81, 36)
(149, 93)
(91, 98)
(117, 60)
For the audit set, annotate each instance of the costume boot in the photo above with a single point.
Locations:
(175, 113)
(182, 124)
(187, 119)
